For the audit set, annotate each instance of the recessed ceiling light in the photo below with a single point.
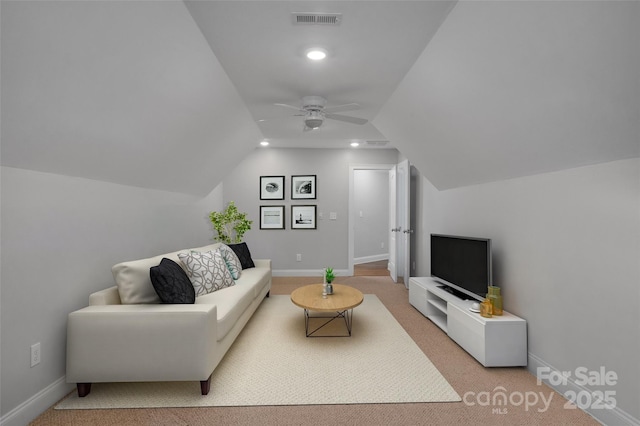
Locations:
(264, 143)
(316, 54)
(355, 144)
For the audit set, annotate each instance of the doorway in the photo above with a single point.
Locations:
(400, 225)
(369, 206)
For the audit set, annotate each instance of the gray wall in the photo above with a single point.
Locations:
(566, 256)
(60, 237)
(326, 246)
(371, 229)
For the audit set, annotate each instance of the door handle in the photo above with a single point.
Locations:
(398, 229)
(408, 231)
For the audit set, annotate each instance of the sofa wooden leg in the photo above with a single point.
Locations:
(205, 385)
(83, 389)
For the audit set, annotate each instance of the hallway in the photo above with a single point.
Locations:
(377, 269)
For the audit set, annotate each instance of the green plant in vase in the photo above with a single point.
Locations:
(328, 275)
(230, 224)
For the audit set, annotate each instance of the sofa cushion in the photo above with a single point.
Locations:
(255, 278)
(172, 283)
(231, 303)
(232, 261)
(242, 251)
(134, 282)
(207, 271)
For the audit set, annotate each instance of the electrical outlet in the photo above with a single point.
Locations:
(35, 354)
(382, 245)
(298, 257)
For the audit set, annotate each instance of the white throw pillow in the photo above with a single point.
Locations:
(232, 261)
(207, 271)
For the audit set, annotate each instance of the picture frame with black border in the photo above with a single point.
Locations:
(272, 187)
(303, 187)
(272, 217)
(303, 217)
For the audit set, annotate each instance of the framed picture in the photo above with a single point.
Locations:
(303, 187)
(303, 217)
(271, 217)
(272, 187)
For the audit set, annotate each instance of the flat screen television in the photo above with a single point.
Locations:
(462, 264)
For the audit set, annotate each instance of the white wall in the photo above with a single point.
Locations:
(371, 215)
(328, 244)
(566, 254)
(60, 237)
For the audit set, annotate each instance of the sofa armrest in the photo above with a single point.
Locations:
(262, 263)
(108, 296)
(111, 343)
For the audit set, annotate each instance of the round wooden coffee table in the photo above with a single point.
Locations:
(341, 302)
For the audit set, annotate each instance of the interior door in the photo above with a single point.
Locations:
(403, 221)
(393, 234)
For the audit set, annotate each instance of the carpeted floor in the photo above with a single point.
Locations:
(468, 378)
(371, 269)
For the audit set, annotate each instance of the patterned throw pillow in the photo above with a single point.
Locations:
(232, 261)
(171, 282)
(242, 251)
(207, 271)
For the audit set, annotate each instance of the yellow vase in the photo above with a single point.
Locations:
(495, 298)
(486, 309)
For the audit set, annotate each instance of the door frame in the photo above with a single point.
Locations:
(351, 209)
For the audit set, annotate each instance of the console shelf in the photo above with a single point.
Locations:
(499, 341)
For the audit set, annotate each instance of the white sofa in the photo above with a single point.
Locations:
(109, 341)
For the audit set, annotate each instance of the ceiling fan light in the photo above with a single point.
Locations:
(316, 54)
(313, 123)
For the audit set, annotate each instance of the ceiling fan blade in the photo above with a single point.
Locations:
(290, 106)
(346, 118)
(342, 108)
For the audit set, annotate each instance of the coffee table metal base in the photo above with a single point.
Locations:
(347, 315)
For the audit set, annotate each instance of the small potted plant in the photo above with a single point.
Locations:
(328, 277)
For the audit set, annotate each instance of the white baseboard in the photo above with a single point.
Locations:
(307, 273)
(37, 404)
(373, 258)
(613, 416)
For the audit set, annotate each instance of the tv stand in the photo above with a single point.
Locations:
(499, 341)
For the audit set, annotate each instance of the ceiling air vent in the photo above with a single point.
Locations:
(376, 143)
(317, 18)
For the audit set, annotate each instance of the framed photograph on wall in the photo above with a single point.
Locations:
(303, 217)
(272, 187)
(303, 187)
(271, 217)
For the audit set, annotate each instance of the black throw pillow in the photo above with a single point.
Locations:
(172, 283)
(242, 251)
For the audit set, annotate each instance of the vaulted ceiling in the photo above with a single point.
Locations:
(170, 95)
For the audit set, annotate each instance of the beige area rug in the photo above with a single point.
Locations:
(273, 363)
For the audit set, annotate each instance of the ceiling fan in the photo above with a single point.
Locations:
(315, 112)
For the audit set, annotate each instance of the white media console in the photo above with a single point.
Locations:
(500, 341)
